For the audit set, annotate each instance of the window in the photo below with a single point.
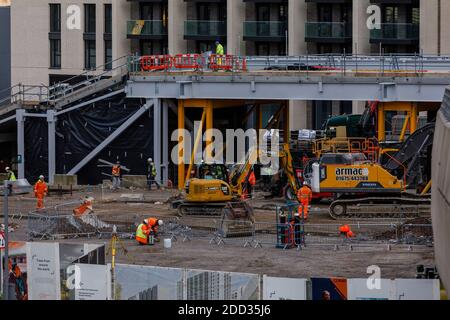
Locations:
(55, 53)
(108, 18)
(108, 54)
(55, 17)
(89, 18)
(89, 54)
(55, 36)
(107, 37)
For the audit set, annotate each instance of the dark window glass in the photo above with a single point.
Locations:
(55, 17)
(55, 54)
(89, 54)
(89, 18)
(108, 55)
(108, 18)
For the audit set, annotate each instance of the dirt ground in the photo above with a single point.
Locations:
(199, 253)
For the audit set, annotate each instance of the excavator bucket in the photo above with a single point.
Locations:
(237, 220)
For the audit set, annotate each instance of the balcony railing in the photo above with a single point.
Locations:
(155, 28)
(265, 29)
(205, 28)
(328, 30)
(396, 32)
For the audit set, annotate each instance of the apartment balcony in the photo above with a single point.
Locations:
(328, 32)
(396, 33)
(146, 29)
(205, 30)
(271, 31)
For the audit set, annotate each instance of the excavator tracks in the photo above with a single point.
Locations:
(407, 206)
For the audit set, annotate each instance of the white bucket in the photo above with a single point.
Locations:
(167, 243)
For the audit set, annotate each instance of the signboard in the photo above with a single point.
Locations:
(417, 289)
(92, 282)
(284, 288)
(43, 271)
(329, 288)
(357, 289)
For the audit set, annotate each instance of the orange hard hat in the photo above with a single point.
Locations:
(344, 228)
(350, 234)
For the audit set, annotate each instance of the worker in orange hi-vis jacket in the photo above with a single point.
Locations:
(40, 191)
(304, 196)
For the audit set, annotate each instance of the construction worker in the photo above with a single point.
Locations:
(151, 174)
(304, 196)
(146, 228)
(346, 231)
(116, 176)
(154, 224)
(40, 191)
(219, 48)
(11, 175)
(251, 183)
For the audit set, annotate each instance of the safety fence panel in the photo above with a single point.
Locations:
(158, 283)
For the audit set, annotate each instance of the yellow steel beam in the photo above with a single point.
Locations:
(209, 110)
(381, 123)
(405, 125)
(197, 143)
(181, 141)
(427, 188)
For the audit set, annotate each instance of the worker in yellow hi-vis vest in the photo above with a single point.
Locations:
(220, 52)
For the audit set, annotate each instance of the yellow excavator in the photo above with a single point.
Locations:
(363, 188)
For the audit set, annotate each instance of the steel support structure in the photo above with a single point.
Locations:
(165, 143)
(157, 106)
(20, 118)
(289, 86)
(110, 139)
(51, 122)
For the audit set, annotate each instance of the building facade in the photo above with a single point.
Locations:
(65, 38)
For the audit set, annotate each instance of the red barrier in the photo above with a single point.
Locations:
(187, 61)
(221, 62)
(156, 63)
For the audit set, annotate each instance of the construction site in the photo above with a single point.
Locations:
(242, 171)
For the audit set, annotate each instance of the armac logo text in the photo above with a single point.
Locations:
(352, 172)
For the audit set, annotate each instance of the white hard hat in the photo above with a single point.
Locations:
(160, 222)
(305, 183)
(149, 159)
(41, 177)
(146, 221)
(7, 168)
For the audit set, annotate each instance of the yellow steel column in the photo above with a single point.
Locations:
(414, 114)
(381, 124)
(209, 126)
(286, 129)
(181, 141)
(197, 143)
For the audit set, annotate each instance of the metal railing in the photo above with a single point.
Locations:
(205, 28)
(265, 29)
(328, 30)
(396, 31)
(146, 28)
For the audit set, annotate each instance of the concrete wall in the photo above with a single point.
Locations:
(440, 208)
(361, 34)
(5, 51)
(235, 27)
(30, 44)
(177, 16)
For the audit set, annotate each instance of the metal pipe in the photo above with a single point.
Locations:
(5, 220)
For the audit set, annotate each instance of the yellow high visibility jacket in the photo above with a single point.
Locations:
(219, 49)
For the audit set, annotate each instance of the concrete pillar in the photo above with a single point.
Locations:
(429, 30)
(235, 27)
(358, 107)
(121, 12)
(51, 122)
(297, 46)
(298, 115)
(177, 17)
(361, 34)
(297, 20)
(445, 26)
(157, 137)
(20, 118)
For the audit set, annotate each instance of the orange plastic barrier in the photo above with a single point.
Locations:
(156, 63)
(187, 61)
